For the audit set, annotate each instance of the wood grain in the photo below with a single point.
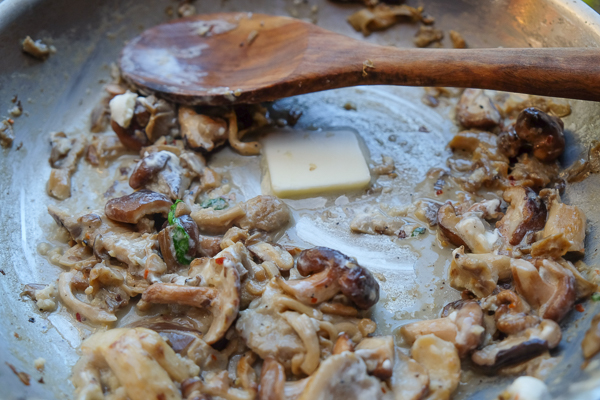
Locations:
(212, 60)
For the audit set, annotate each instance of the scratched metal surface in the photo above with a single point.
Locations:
(59, 93)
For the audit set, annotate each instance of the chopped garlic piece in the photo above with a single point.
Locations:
(526, 388)
(39, 364)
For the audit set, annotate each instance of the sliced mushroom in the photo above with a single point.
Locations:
(476, 110)
(564, 219)
(272, 381)
(160, 172)
(139, 121)
(442, 363)
(583, 287)
(447, 221)
(478, 273)
(509, 143)
(136, 363)
(472, 140)
(64, 156)
(410, 380)
(276, 254)
(553, 246)
(342, 344)
(221, 297)
(526, 213)
(378, 354)
(132, 207)
(513, 313)
(590, 345)
(543, 132)
(332, 273)
(201, 132)
(520, 347)
(169, 235)
(463, 327)
(215, 385)
(342, 376)
(66, 295)
(547, 286)
(266, 213)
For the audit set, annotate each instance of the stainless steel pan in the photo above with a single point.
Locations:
(59, 93)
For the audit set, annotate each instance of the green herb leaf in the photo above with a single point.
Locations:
(181, 239)
(596, 297)
(181, 242)
(217, 204)
(171, 216)
(417, 231)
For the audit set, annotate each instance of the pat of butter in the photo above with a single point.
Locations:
(302, 163)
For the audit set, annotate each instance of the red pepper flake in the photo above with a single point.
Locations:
(313, 300)
(220, 260)
(438, 192)
(213, 357)
(579, 308)
(78, 317)
(512, 305)
(11, 121)
(383, 390)
(146, 273)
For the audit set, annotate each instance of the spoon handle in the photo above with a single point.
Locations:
(558, 72)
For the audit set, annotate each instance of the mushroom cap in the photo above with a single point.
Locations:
(527, 213)
(147, 167)
(447, 220)
(520, 347)
(477, 110)
(132, 207)
(266, 213)
(201, 132)
(544, 132)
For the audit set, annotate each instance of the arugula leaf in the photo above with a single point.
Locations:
(218, 204)
(181, 239)
(417, 231)
(596, 297)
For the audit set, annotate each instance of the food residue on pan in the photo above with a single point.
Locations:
(196, 291)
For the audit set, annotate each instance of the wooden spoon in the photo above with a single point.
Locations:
(228, 58)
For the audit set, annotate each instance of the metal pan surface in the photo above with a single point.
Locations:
(59, 93)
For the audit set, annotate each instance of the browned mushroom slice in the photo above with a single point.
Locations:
(342, 344)
(221, 297)
(442, 363)
(447, 220)
(463, 327)
(513, 313)
(378, 354)
(478, 273)
(266, 213)
(547, 286)
(139, 121)
(590, 345)
(553, 246)
(564, 219)
(160, 172)
(166, 240)
(476, 110)
(583, 287)
(544, 132)
(132, 207)
(342, 376)
(509, 143)
(274, 253)
(471, 140)
(520, 347)
(332, 273)
(526, 213)
(201, 132)
(410, 380)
